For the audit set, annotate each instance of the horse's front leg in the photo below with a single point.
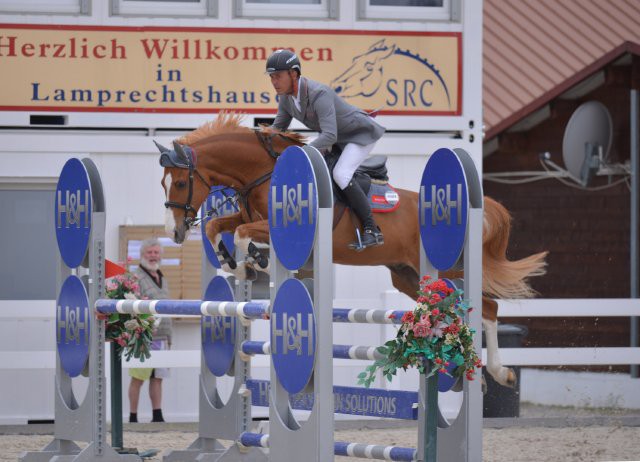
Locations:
(214, 229)
(249, 237)
(503, 375)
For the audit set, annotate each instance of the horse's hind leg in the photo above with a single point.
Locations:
(503, 375)
(405, 279)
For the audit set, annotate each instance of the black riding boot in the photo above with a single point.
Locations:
(359, 203)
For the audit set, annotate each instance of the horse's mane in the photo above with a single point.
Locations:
(231, 122)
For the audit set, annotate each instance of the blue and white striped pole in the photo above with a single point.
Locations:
(250, 310)
(251, 347)
(366, 451)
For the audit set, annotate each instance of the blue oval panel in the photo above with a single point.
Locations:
(219, 201)
(443, 209)
(293, 208)
(73, 212)
(73, 326)
(293, 336)
(218, 332)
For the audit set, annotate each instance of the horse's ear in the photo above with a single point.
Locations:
(160, 147)
(379, 44)
(382, 46)
(180, 151)
(389, 51)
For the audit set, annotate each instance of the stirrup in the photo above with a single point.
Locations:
(371, 238)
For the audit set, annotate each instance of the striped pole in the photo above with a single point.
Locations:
(364, 316)
(366, 451)
(250, 310)
(251, 347)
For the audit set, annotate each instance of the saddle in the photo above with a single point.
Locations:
(372, 177)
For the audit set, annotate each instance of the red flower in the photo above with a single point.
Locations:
(392, 316)
(438, 361)
(452, 329)
(420, 330)
(438, 286)
(435, 312)
(408, 317)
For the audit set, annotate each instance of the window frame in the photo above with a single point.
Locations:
(199, 9)
(76, 7)
(327, 9)
(446, 12)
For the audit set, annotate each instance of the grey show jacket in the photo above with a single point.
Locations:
(324, 111)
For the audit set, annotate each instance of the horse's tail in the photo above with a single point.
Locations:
(503, 278)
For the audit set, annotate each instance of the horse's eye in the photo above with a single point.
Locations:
(181, 184)
(369, 67)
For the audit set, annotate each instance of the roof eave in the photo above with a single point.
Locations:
(596, 66)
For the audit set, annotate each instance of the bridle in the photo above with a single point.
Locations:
(185, 157)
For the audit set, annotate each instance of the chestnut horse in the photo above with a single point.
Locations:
(227, 154)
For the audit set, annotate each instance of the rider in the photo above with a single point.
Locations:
(321, 109)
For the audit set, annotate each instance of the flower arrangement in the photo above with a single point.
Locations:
(432, 336)
(133, 332)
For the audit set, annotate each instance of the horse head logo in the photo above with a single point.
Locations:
(364, 76)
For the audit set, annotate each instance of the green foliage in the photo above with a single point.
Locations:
(433, 338)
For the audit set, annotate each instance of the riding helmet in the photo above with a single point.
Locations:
(283, 60)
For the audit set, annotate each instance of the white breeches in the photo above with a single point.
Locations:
(350, 159)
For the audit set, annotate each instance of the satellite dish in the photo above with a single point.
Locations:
(587, 140)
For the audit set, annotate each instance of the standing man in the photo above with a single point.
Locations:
(321, 109)
(153, 286)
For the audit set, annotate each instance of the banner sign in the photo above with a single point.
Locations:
(205, 70)
(373, 402)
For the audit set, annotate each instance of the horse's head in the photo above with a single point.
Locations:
(364, 76)
(185, 189)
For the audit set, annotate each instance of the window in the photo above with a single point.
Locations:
(46, 6)
(165, 7)
(28, 242)
(407, 9)
(307, 9)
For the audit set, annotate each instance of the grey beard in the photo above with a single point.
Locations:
(150, 266)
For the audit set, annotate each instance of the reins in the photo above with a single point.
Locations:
(266, 140)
